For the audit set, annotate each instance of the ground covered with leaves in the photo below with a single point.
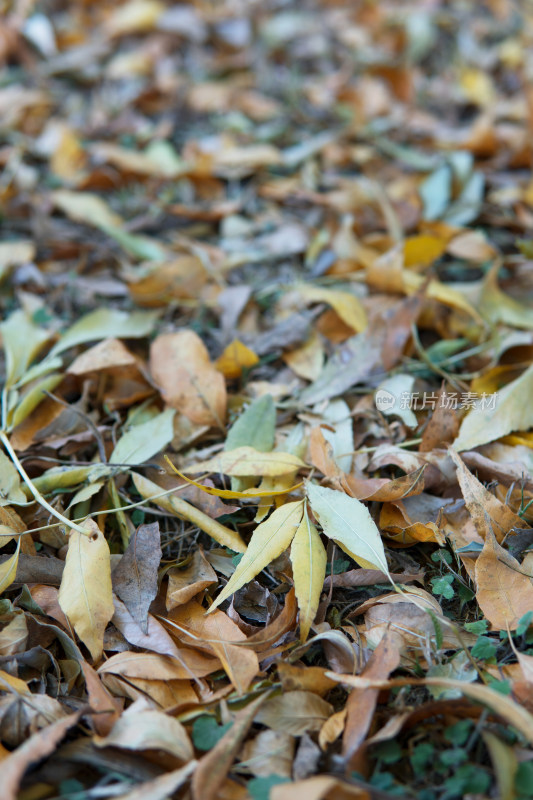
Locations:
(266, 487)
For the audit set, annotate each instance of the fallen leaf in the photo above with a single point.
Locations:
(148, 730)
(180, 365)
(488, 421)
(37, 747)
(141, 442)
(222, 636)
(215, 765)
(503, 592)
(488, 513)
(308, 558)
(268, 541)
(134, 579)
(294, 712)
(85, 593)
(184, 584)
(221, 534)
(234, 358)
(361, 705)
(348, 522)
(247, 461)
(347, 305)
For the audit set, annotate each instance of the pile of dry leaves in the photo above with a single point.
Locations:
(266, 469)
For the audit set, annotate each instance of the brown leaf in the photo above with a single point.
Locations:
(106, 708)
(37, 747)
(180, 365)
(215, 765)
(320, 787)
(488, 513)
(502, 591)
(360, 706)
(134, 579)
(184, 584)
(219, 634)
(295, 712)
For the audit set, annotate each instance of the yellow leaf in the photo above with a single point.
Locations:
(477, 86)
(8, 569)
(422, 250)
(308, 558)
(85, 593)
(436, 290)
(348, 306)
(221, 534)
(307, 361)
(235, 358)
(497, 306)
(506, 413)
(269, 540)
(245, 461)
(228, 494)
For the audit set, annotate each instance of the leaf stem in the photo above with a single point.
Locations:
(37, 495)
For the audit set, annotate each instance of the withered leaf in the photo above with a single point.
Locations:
(134, 579)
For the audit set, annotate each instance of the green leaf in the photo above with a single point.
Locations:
(524, 623)
(484, 648)
(480, 626)
(22, 340)
(442, 586)
(143, 441)
(106, 323)
(259, 788)
(524, 778)
(206, 732)
(255, 427)
(269, 540)
(348, 522)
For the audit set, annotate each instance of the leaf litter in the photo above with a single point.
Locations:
(266, 503)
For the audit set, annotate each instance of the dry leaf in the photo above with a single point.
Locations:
(134, 579)
(180, 365)
(85, 593)
(503, 592)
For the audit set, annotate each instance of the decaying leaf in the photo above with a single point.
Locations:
(135, 578)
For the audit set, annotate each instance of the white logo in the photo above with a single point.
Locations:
(384, 400)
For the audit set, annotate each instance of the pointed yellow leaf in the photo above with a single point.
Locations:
(269, 540)
(8, 569)
(308, 557)
(245, 461)
(348, 306)
(236, 357)
(85, 594)
(176, 505)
